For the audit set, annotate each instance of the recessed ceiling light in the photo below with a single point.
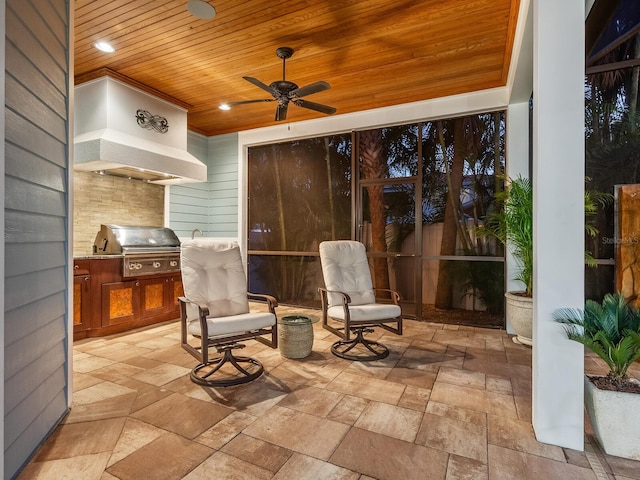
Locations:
(201, 9)
(224, 106)
(104, 47)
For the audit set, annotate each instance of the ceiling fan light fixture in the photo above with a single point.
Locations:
(201, 9)
(104, 47)
(224, 106)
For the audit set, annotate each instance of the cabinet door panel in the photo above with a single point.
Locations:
(120, 302)
(176, 291)
(81, 302)
(154, 294)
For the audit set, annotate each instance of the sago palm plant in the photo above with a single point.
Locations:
(611, 330)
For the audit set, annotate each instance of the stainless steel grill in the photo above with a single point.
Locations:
(145, 250)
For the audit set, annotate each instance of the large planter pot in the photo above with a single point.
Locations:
(615, 417)
(519, 313)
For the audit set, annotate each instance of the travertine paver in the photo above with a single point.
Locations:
(449, 402)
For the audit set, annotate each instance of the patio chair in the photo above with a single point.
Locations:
(215, 310)
(349, 299)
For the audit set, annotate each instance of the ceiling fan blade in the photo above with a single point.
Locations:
(318, 107)
(261, 85)
(309, 89)
(242, 102)
(281, 111)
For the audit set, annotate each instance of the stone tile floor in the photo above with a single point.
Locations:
(450, 402)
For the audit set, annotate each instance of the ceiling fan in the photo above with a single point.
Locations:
(284, 91)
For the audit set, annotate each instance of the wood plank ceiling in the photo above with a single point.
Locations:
(373, 53)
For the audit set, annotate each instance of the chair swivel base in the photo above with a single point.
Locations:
(244, 375)
(342, 348)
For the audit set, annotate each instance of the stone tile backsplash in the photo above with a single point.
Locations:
(102, 199)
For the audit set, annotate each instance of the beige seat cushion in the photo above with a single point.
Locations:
(372, 311)
(233, 325)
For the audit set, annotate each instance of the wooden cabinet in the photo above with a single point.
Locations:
(175, 291)
(106, 303)
(134, 302)
(81, 296)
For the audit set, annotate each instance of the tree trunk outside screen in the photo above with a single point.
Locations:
(373, 166)
(454, 174)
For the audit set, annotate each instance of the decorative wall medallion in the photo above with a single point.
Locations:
(152, 122)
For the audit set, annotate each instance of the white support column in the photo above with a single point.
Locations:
(558, 179)
(517, 164)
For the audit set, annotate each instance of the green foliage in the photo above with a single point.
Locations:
(611, 330)
(512, 224)
(485, 281)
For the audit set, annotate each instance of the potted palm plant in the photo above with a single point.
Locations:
(612, 331)
(512, 224)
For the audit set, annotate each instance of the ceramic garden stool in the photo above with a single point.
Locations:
(295, 335)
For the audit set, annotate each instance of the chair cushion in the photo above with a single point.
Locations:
(345, 268)
(234, 324)
(218, 280)
(372, 311)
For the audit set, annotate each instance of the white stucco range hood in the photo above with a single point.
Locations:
(120, 130)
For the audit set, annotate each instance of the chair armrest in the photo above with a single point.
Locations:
(271, 300)
(346, 300)
(345, 296)
(395, 296)
(203, 313)
(203, 310)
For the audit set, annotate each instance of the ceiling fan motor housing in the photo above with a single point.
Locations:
(284, 52)
(283, 87)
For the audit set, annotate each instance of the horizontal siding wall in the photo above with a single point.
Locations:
(188, 204)
(223, 184)
(212, 206)
(36, 206)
